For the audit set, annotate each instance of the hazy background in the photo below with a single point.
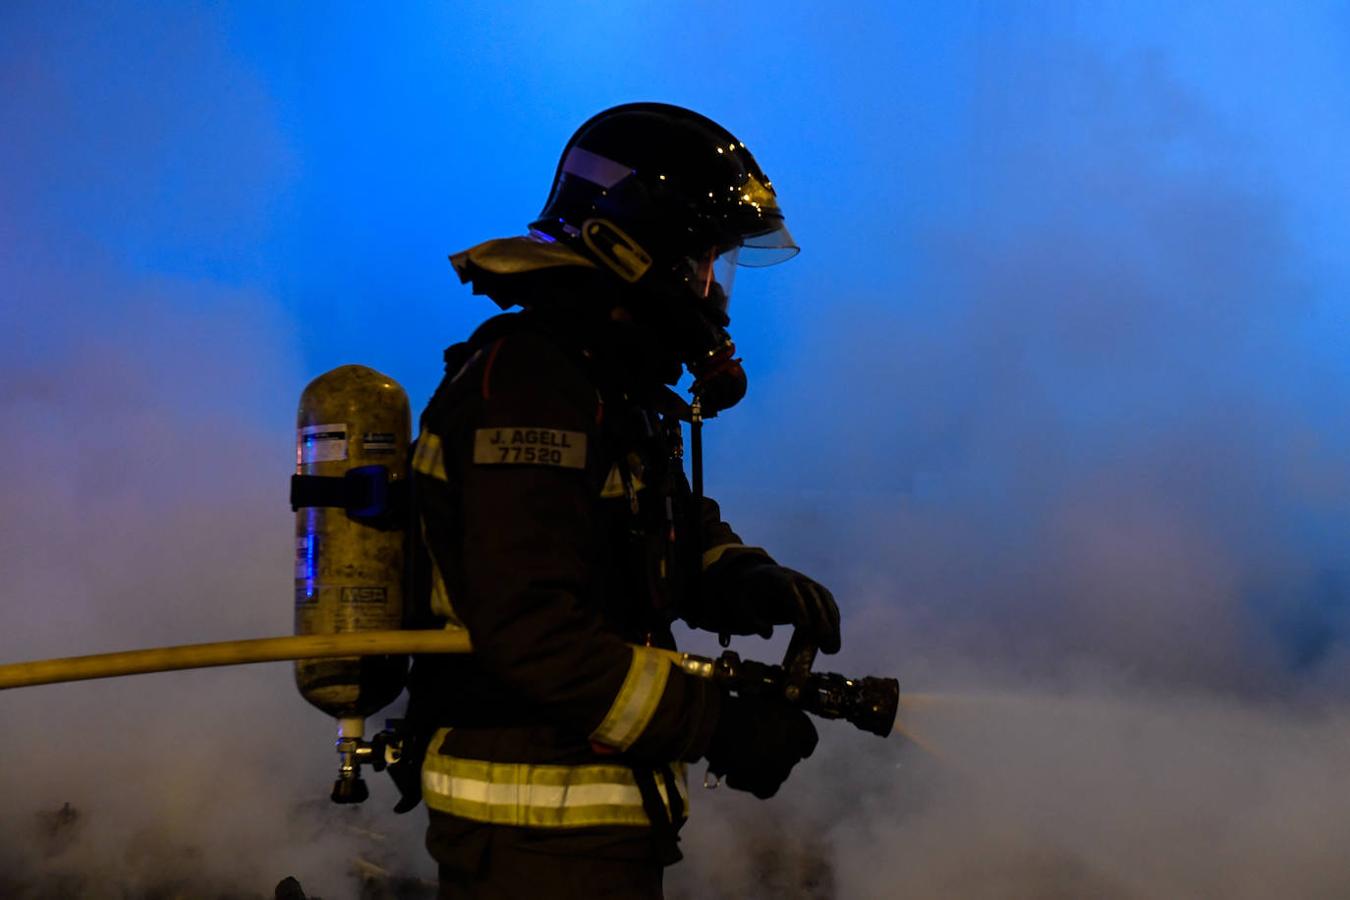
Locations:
(1054, 398)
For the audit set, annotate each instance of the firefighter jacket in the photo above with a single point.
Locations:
(556, 525)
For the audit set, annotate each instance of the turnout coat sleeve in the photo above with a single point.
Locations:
(507, 471)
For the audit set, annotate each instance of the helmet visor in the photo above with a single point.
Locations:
(769, 248)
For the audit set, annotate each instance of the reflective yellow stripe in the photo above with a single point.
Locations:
(637, 699)
(713, 554)
(539, 796)
(614, 484)
(440, 594)
(428, 458)
(440, 599)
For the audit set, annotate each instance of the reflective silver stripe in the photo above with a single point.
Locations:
(595, 168)
(428, 458)
(477, 354)
(637, 699)
(713, 554)
(542, 796)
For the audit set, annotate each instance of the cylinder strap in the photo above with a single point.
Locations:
(364, 492)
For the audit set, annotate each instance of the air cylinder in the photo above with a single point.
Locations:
(351, 458)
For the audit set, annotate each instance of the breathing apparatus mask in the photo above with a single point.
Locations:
(719, 379)
(709, 353)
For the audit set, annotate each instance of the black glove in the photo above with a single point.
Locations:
(777, 595)
(757, 741)
(406, 769)
(407, 777)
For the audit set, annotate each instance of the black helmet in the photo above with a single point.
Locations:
(661, 195)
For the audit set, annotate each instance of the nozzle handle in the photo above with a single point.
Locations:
(797, 663)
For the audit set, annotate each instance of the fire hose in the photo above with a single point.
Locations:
(230, 653)
(869, 703)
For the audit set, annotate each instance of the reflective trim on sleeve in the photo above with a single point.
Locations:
(539, 796)
(713, 554)
(637, 699)
(428, 458)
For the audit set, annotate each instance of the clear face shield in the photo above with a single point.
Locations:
(719, 379)
(715, 271)
(714, 275)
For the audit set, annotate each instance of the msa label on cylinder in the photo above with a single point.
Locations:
(322, 443)
(364, 595)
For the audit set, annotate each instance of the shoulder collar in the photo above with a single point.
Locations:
(515, 255)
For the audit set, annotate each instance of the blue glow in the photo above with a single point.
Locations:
(311, 555)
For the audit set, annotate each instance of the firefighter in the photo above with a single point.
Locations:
(557, 525)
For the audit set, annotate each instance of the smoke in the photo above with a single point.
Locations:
(1082, 477)
(1079, 468)
(148, 404)
(1103, 793)
(146, 506)
(1093, 423)
(148, 509)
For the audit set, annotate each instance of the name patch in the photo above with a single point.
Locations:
(529, 447)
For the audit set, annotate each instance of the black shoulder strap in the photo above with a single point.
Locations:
(456, 356)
